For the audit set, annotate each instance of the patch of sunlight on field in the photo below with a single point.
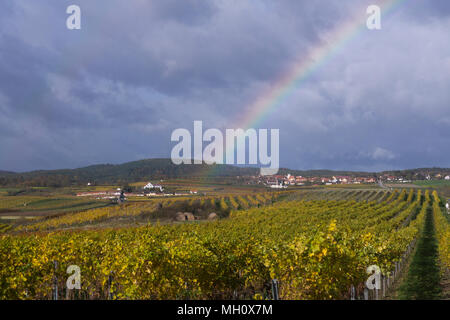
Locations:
(17, 217)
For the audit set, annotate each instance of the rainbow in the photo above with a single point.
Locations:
(306, 65)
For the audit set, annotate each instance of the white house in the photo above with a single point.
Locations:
(151, 186)
(278, 186)
(447, 178)
(148, 186)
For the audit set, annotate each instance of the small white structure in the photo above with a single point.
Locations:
(148, 186)
(447, 178)
(151, 186)
(278, 186)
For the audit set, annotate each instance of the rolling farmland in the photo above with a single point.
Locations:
(317, 244)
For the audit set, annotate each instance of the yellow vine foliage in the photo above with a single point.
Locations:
(316, 249)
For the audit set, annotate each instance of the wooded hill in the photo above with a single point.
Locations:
(150, 169)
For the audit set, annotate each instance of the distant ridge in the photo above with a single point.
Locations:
(6, 173)
(120, 173)
(150, 169)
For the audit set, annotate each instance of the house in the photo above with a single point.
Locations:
(149, 186)
(315, 180)
(278, 186)
(300, 179)
(290, 179)
(447, 178)
(343, 180)
(271, 180)
(153, 186)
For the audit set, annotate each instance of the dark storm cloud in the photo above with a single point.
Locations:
(114, 90)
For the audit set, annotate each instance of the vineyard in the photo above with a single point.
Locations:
(442, 232)
(152, 209)
(35, 203)
(317, 249)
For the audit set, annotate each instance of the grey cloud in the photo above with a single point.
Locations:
(113, 91)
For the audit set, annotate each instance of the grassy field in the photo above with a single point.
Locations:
(19, 209)
(423, 280)
(433, 183)
(442, 186)
(35, 203)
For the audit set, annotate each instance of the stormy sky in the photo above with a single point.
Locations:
(114, 91)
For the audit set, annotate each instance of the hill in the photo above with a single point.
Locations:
(121, 173)
(6, 173)
(150, 169)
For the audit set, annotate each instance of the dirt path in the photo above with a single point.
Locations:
(27, 213)
(445, 285)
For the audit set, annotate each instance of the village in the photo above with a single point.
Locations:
(288, 180)
(284, 181)
(272, 181)
(280, 181)
(151, 190)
